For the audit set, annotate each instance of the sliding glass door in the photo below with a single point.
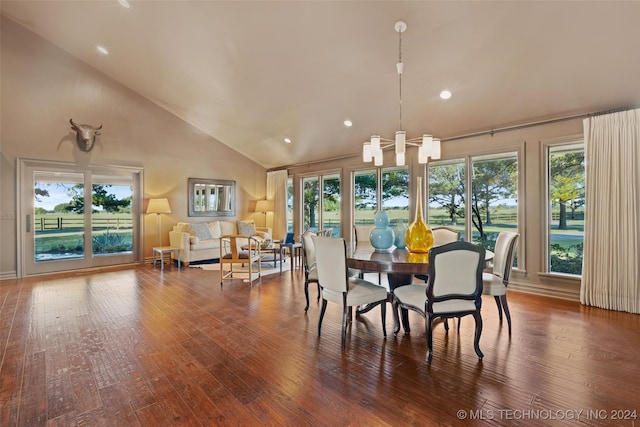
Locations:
(71, 219)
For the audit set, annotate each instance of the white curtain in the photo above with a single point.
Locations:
(277, 192)
(610, 271)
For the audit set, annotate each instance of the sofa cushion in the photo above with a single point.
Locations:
(206, 244)
(246, 228)
(201, 230)
(214, 229)
(193, 240)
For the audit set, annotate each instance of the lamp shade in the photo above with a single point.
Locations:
(158, 206)
(264, 206)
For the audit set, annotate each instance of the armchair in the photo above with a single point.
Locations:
(231, 254)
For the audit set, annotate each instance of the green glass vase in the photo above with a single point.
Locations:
(419, 237)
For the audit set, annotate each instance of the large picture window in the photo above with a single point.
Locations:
(565, 208)
(486, 207)
(321, 203)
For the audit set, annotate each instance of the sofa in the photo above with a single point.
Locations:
(201, 241)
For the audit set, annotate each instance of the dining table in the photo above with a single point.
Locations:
(400, 265)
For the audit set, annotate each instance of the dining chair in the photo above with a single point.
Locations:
(443, 235)
(454, 289)
(231, 255)
(495, 282)
(309, 262)
(338, 287)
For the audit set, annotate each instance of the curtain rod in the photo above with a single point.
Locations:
(485, 132)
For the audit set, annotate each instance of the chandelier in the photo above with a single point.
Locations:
(428, 145)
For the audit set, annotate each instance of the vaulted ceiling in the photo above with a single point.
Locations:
(251, 73)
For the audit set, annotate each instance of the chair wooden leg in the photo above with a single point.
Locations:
(319, 291)
(476, 337)
(396, 316)
(306, 294)
(505, 306)
(322, 310)
(499, 307)
(345, 316)
(383, 312)
(429, 325)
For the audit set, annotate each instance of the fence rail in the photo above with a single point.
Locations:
(51, 223)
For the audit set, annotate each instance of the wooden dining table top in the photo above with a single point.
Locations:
(366, 257)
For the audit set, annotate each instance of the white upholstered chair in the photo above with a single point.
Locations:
(309, 263)
(454, 289)
(495, 283)
(444, 235)
(338, 287)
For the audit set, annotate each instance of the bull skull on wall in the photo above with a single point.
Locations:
(85, 135)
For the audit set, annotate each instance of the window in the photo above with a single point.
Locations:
(290, 205)
(395, 194)
(494, 197)
(447, 195)
(365, 185)
(321, 210)
(565, 208)
(387, 188)
(491, 202)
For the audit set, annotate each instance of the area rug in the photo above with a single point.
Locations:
(242, 272)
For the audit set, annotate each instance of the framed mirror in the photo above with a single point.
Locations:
(212, 197)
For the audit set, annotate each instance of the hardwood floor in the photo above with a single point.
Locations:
(144, 347)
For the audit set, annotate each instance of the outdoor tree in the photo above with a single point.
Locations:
(566, 182)
(493, 179)
(446, 189)
(310, 198)
(100, 198)
(365, 190)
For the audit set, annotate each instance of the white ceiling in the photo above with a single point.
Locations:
(250, 73)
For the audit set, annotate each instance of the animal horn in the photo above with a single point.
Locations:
(99, 127)
(75, 126)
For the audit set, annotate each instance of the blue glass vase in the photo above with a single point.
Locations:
(400, 232)
(381, 237)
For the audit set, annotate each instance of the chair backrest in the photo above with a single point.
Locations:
(503, 254)
(444, 235)
(455, 273)
(331, 262)
(289, 238)
(362, 233)
(308, 250)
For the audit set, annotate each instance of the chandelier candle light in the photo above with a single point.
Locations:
(428, 145)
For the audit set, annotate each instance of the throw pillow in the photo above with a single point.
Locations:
(246, 228)
(201, 231)
(214, 228)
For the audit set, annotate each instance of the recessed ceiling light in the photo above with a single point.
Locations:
(445, 94)
(124, 3)
(348, 123)
(287, 140)
(103, 50)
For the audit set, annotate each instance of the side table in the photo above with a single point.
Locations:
(161, 250)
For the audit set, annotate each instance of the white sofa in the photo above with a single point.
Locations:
(201, 241)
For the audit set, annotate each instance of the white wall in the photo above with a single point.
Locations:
(42, 87)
